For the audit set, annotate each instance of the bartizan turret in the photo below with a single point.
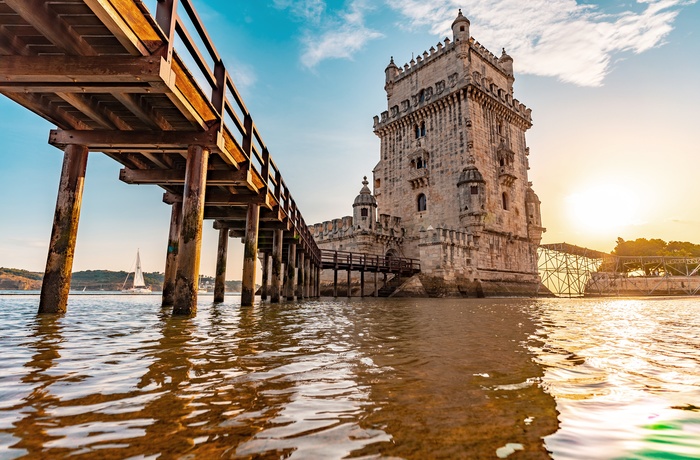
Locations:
(364, 209)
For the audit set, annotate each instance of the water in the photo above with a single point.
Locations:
(117, 377)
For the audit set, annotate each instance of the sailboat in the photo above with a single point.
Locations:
(139, 286)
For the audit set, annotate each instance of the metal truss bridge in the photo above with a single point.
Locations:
(572, 271)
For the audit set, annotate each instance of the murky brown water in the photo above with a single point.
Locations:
(116, 377)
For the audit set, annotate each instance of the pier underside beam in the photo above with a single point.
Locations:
(59, 263)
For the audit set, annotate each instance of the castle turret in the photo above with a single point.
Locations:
(534, 218)
(364, 209)
(391, 73)
(506, 63)
(471, 189)
(460, 28)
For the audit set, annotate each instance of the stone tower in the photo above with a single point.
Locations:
(453, 166)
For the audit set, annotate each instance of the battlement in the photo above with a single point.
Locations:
(476, 80)
(343, 227)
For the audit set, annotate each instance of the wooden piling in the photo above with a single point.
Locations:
(220, 279)
(291, 271)
(265, 276)
(307, 276)
(376, 286)
(300, 275)
(349, 274)
(317, 282)
(335, 274)
(187, 277)
(171, 256)
(250, 255)
(59, 262)
(275, 278)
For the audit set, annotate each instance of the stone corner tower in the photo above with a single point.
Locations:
(453, 165)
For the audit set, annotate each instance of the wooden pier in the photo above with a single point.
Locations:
(106, 73)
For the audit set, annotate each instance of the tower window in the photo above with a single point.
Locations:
(422, 202)
(419, 163)
(417, 129)
(461, 28)
(422, 129)
(504, 197)
(474, 189)
(364, 212)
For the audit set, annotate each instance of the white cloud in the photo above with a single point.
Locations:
(337, 37)
(309, 10)
(558, 38)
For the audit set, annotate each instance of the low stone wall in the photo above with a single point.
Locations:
(605, 285)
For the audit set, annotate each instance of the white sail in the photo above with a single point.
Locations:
(138, 275)
(139, 286)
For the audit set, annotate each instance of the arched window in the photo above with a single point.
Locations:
(422, 203)
(364, 212)
(417, 129)
(504, 196)
(421, 96)
(422, 129)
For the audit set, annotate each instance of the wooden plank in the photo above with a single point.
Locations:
(148, 140)
(85, 88)
(177, 176)
(97, 112)
(38, 14)
(139, 20)
(85, 69)
(111, 18)
(143, 111)
(48, 111)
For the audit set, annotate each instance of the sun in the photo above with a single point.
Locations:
(603, 209)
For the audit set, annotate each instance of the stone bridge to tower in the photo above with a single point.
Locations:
(107, 74)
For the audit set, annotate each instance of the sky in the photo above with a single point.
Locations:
(613, 86)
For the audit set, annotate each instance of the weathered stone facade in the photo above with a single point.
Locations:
(452, 174)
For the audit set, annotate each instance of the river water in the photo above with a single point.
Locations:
(117, 377)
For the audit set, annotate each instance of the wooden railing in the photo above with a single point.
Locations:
(228, 104)
(353, 261)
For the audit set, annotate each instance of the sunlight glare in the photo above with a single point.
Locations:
(603, 209)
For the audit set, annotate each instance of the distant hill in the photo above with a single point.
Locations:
(92, 280)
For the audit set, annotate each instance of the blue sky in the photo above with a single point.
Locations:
(613, 87)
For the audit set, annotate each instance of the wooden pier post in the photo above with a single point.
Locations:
(376, 286)
(349, 274)
(291, 271)
(171, 256)
(300, 276)
(362, 275)
(317, 282)
(250, 254)
(187, 277)
(335, 274)
(265, 276)
(59, 262)
(307, 276)
(277, 243)
(220, 279)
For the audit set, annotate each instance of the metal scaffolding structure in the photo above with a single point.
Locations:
(566, 269)
(572, 271)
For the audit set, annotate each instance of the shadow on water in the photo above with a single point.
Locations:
(454, 379)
